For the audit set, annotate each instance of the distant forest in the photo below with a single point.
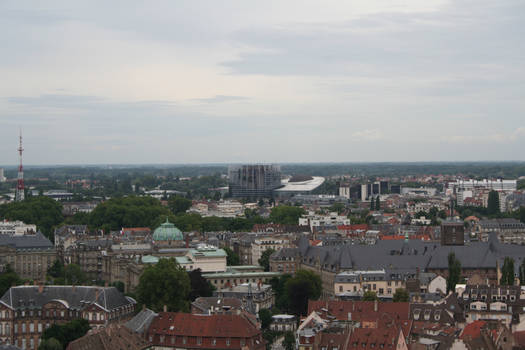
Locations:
(468, 169)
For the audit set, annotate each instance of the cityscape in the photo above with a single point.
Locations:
(262, 175)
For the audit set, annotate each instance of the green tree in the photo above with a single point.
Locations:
(65, 333)
(454, 272)
(44, 212)
(370, 296)
(264, 261)
(50, 344)
(119, 285)
(378, 203)
(265, 316)
(493, 203)
(279, 288)
(522, 272)
(165, 283)
(56, 270)
(372, 204)
(305, 285)
(8, 278)
(178, 204)
(401, 295)
(337, 207)
(232, 258)
(200, 286)
(507, 272)
(74, 275)
(129, 211)
(286, 215)
(288, 341)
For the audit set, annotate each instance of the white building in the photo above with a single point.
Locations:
(2, 177)
(317, 220)
(496, 185)
(205, 257)
(16, 228)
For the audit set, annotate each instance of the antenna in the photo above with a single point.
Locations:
(20, 183)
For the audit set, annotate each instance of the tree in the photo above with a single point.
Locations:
(64, 333)
(378, 203)
(493, 203)
(178, 204)
(305, 285)
(119, 285)
(454, 272)
(200, 286)
(50, 344)
(286, 215)
(522, 272)
(288, 341)
(507, 272)
(372, 206)
(265, 316)
(279, 287)
(165, 283)
(74, 275)
(370, 296)
(401, 295)
(42, 211)
(337, 207)
(232, 258)
(56, 270)
(8, 278)
(264, 261)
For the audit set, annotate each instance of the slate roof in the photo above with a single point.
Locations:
(23, 297)
(114, 337)
(27, 242)
(205, 303)
(141, 322)
(399, 254)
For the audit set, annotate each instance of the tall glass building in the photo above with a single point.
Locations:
(254, 181)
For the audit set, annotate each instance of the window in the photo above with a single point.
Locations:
(23, 327)
(213, 341)
(40, 328)
(228, 342)
(162, 339)
(199, 340)
(31, 343)
(31, 327)
(184, 340)
(340, 288)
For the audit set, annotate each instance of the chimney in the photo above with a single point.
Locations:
(40, 287)
(143, 307)
(96, 294)
(165, 308)
(106, 284)
(375, 305)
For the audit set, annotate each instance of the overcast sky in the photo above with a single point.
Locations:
(262, 81)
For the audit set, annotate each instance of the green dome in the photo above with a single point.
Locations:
(167, 232)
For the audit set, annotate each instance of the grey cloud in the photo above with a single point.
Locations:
(220, 99)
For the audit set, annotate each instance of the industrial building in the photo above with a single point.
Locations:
(254, 181)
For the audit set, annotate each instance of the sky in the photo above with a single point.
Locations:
(134, 82)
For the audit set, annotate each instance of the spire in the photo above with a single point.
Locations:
(20, 182)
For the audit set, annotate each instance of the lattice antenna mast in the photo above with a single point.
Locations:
(20, 183)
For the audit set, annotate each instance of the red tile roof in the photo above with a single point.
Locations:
(472, 330)
(361, 310)
(220, 326)
(373, 338)
(520, 338)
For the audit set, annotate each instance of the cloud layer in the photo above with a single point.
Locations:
(199, 81)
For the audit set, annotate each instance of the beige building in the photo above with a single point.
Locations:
(356, 283)
(205, 257)
(260, 245)
(28, 255)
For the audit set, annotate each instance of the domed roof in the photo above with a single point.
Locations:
(167, 232)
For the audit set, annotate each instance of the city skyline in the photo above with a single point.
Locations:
(197, 82)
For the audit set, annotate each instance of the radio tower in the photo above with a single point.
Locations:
(20, 183)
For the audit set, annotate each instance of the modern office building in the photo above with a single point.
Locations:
(254, 181)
